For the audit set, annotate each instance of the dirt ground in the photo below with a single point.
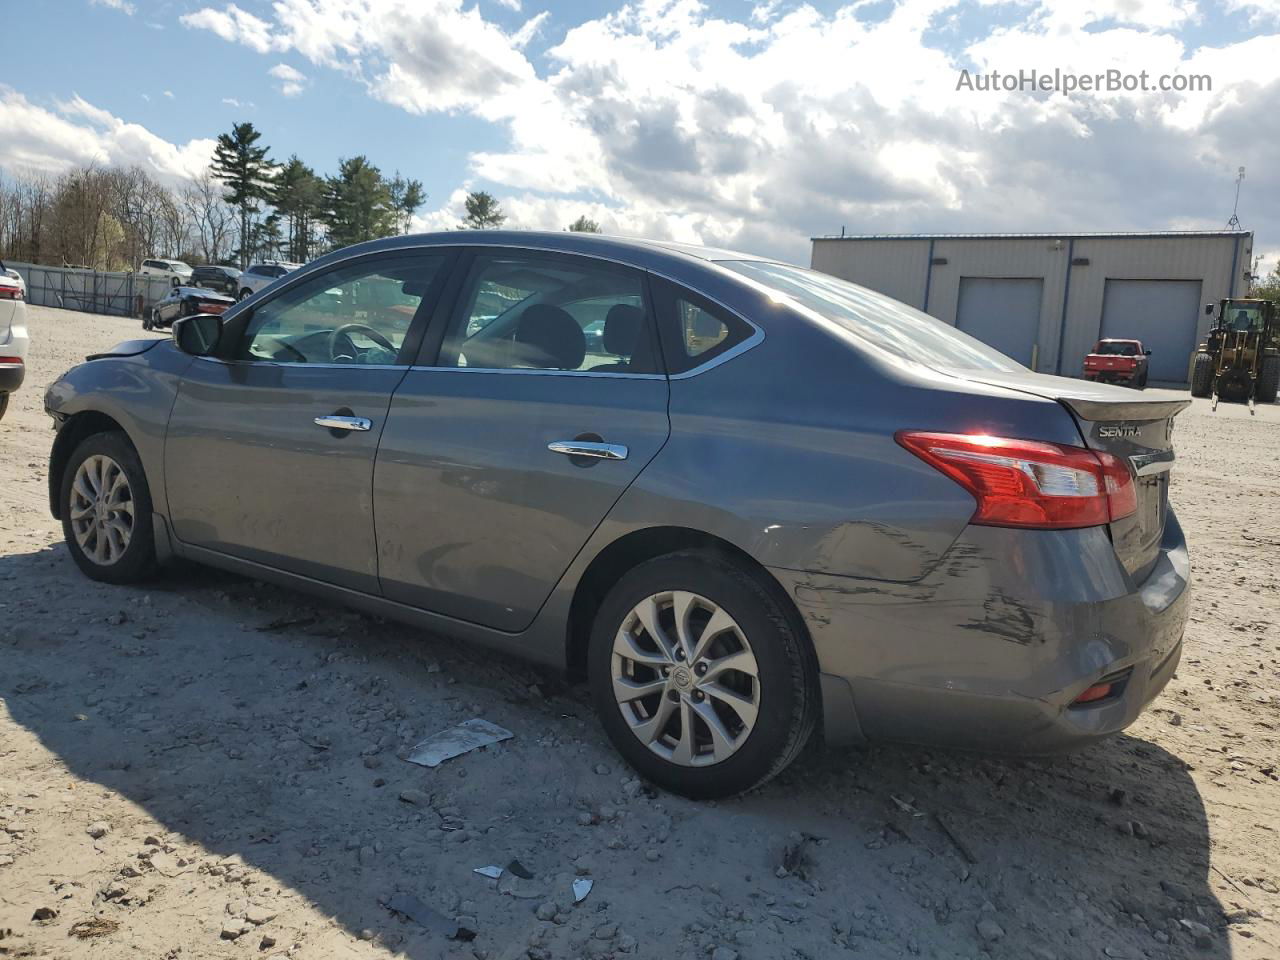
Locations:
(209, 767)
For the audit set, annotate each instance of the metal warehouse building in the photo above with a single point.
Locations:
(1044, 298)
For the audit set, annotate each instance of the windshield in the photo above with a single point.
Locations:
(1244, 318)
(1118, 349)
(879, 320)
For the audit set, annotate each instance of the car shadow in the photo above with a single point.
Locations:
(262, 731)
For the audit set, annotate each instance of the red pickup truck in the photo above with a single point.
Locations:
(1118, 361)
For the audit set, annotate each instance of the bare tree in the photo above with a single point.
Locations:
(212, 220)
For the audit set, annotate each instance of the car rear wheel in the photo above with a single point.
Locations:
(245, 294)
(106, 510)
(4, 404)
(701, 677)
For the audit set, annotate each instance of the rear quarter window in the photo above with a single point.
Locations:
(695, 330)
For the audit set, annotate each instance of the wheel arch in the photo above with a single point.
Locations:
(77, 427)
(634, 548)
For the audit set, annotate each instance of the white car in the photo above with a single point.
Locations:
(15, 276)
(176, 271)
(13, 335)
(263, 274)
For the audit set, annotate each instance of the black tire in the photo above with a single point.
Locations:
(4, 404)
(1269, 380)
(788, 696)
(245, 294)
(138, 560)
(1202, 375)
(1141, 382)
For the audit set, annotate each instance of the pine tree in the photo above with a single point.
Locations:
(483, 212)
(584, 224)
(358, 204)
(246, 174)
(298, 197)
(406, 197)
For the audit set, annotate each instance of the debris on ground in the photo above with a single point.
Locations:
(454, 742)
(414, 909)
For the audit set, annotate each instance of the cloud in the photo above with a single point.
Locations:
(233, 24)
(292, 82)
(124, 6)
(169, 95)
(75, 132)
(758, 128)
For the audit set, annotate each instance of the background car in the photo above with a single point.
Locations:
(216, 277)
(778, 501)
(184, 302)
(260, 275)
(1123, 362)
(15, 276)
(13, 334)
(175, 271)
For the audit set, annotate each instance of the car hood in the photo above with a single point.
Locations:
(129, 348)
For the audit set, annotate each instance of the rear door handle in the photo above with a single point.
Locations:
(335, 422)
(588, 448)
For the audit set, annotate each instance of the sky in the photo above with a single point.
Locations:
(746, 125)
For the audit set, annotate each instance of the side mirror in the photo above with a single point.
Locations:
(198, 335)
(1208, 309)
(1147, 352)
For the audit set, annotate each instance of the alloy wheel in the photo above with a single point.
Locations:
(101, 506)
(685, 678)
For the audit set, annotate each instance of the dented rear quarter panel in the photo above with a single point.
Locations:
(788, 452)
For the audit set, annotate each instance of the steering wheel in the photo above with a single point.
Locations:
(368, 331)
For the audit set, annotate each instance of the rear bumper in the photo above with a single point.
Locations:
(11, 376)
(990, 650)
(1111, 376)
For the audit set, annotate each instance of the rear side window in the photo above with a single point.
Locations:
(550, 312)
(694, 330)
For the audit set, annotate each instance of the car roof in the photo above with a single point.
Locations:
(635, 251)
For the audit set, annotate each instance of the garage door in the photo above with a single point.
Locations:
(1162, 314)
(1003, 312)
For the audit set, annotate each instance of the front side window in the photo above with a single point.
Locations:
(359, 313)
(551, 313)
(875, 319)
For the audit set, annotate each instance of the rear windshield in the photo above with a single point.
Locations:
(1118, 349)
(876, 319)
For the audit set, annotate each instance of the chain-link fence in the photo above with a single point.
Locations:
(94, 291)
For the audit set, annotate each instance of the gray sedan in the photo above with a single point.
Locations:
(760, 501)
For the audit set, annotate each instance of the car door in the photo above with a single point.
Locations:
(509, 444)
(270, 445)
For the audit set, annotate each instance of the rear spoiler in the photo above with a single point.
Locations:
(1135, 410)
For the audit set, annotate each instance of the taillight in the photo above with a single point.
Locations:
(8, 292)
(10, 361)
(1029, 483)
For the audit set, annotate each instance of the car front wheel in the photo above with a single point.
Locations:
(106, 510)
(701, 676)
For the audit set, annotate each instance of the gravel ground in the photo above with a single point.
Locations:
(208, 767)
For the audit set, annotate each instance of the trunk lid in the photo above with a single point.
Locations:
(1132, 426)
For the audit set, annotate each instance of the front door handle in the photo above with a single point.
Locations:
(335, 422)
(589, 448)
